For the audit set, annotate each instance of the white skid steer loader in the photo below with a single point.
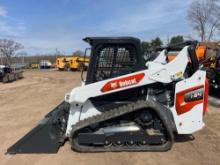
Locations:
(125, 104)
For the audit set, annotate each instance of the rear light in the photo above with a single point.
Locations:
(206, 95)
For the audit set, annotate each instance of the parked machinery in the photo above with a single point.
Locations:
(45, 64)
(8, 74)
(62, 63)
(34, 65)
(79, 63)
(72, 63)
(125, 104)
(211, 64)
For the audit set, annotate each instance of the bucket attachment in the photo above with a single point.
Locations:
(47, 136)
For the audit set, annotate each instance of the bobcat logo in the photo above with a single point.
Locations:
(114, 85)
(122, 82)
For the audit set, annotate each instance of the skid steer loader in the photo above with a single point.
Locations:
(125, 104)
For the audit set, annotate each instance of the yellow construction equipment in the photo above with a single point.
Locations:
(72, 63)
(79, 63)
(63, 63)
(34, 66)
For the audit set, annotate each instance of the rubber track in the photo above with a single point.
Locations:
(116, 112)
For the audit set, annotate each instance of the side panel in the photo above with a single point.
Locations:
(88, 110)
(189, 104)
(78, 113)
(73, 118)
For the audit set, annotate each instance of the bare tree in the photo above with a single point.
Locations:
(8, 48)
(204, 16)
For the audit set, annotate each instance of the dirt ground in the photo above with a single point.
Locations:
(23, 103)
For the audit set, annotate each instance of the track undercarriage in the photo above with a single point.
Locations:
(133, 127)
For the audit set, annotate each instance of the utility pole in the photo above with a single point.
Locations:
(23, 59)
(56, 52)
(1, 58)
(168, 40)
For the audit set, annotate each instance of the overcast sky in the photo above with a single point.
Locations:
(44, 25)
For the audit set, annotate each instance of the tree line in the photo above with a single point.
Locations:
(148, 46)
